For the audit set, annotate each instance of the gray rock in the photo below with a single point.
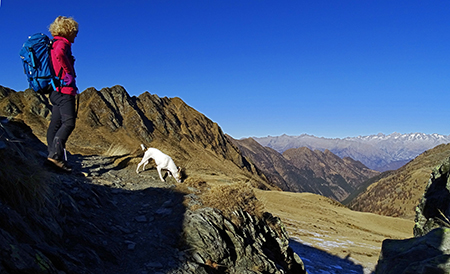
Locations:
(253, 246)
(434, 208)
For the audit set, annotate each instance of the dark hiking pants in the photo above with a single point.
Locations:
(61, 125)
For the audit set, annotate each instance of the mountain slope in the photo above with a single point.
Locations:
(399, 192)
(379, 152)
(111, 120)
(342, 175)
(275, 167)
(304, 170)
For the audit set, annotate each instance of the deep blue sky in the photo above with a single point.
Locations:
(333, 68)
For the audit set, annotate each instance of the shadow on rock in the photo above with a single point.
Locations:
(318, 261)
(96, 229)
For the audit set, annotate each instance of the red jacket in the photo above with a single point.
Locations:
(62, 58)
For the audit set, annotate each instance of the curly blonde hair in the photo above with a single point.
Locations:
(63, 26)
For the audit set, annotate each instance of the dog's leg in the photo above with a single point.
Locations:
(143, 168)
(139, 165)
(159, 172)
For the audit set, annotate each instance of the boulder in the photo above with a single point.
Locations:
(254, 245)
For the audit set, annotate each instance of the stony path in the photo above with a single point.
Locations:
(132, 220)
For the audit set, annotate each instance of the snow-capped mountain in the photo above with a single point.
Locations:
(379, 152)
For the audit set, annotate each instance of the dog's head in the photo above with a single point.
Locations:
(177, 175)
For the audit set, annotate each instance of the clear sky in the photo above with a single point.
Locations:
(332, 68)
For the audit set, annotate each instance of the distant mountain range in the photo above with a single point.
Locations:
(305, 170)
(379, 152)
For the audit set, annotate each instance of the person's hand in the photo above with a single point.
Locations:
(69, 80)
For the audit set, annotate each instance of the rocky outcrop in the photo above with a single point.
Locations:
(253, 246)
(434, 208)
(429, 250)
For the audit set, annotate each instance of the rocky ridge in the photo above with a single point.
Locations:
(110, 120)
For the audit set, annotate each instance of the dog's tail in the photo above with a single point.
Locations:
(142, 146)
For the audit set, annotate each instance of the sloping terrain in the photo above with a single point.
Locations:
(304, 170)
(398, 193)
(343, 176)
(316, 223)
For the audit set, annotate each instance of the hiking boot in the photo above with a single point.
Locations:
(62, 165)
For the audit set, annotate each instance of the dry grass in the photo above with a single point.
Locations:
(116, 150)
(233, 197)
(23, 182)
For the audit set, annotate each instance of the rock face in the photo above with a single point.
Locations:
(429, 251)
(421, 255)
(434, 209)
(253, 246)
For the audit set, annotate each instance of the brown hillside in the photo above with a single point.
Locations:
(304, 170)
(112, 122)
(327, 165)
(399, 192)
(275, 167)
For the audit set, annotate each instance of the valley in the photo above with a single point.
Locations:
(319, 222)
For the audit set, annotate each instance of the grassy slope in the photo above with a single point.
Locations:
(399, 193)
(327, 225)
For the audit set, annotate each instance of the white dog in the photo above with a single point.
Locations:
(162, 161)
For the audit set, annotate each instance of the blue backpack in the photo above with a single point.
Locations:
(37, 65)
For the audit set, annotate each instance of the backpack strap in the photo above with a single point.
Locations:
(56, 87)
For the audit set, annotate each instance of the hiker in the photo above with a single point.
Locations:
(64, 30)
